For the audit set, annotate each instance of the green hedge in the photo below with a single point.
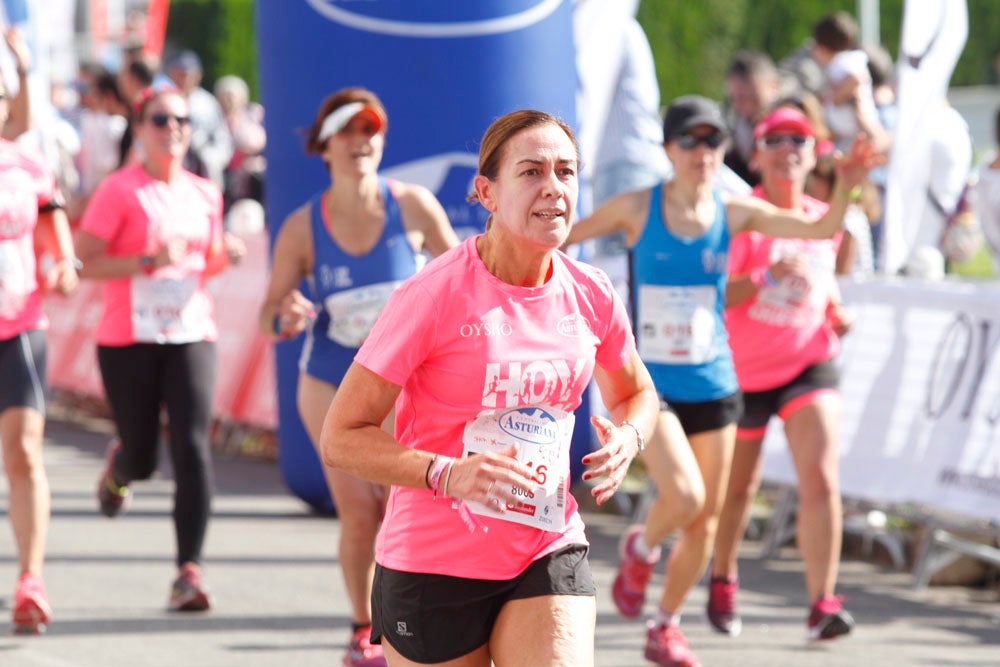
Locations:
(221, 32)
(693, 41)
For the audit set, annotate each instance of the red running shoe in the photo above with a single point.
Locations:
(828, 619)
(722, 606)
(361, 652)
(629, 589)
(31, 606)
(187, 592)
(667, 646)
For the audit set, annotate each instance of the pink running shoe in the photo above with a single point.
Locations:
(112, 497)
(828, 619)
(629, 589)
(361, 652)
(187, 592)
(722, 606)
(31, 606)
(667, 646)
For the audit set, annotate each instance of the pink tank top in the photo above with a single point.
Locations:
(782, 330)
(25, 185)
(135, 214)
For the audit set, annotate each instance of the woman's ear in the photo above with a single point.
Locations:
(484, 191)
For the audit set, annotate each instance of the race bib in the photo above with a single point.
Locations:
(15, 281)
(353, 312)
(677, 324)
(169, 310)
(542, 434)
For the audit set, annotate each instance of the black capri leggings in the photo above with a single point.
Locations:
(138, 379)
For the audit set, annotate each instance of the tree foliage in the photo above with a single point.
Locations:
(692, 42)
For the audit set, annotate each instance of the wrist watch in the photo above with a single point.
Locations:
(639, 439)
(148, 264)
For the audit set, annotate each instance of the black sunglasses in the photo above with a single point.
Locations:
(796, 140)
(690, 141)
(162, 119)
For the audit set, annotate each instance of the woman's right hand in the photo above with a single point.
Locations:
(295, 312)
(490, 478)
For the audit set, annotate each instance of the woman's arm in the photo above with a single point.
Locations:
(53, 237)
(423, 213)
(631, 399)
(286, 312)
(626, 211)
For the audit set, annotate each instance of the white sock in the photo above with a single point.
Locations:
(666, 618)
(643, 550)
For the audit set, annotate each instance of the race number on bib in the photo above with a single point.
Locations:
(542, 434)
(169, 310)
(677, 324)
(353, 312)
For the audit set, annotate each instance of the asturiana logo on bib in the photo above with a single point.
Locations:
(436, 19)
(574, 325)
(531, 425)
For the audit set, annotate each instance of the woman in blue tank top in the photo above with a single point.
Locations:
(678, 234)
(354, 242)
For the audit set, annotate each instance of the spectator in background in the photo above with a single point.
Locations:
(987, 197)
(245, 172)
(848, 102)
(752, 86)
(211, 144)
(880, 67)
(101, 131)
(134, 76)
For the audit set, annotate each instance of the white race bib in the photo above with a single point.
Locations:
(677, 324)
(169, 310)
(353, 312)
(15, 284)
(542, 434)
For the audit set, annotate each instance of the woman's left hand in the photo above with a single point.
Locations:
(852, 169)
(61, 277)
(618, 448)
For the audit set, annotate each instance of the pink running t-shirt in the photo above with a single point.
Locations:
(482, 362)
(135, 214)
(26, 184)
(782, 330)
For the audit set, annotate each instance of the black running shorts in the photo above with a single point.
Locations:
(706, 415)
(435, 618)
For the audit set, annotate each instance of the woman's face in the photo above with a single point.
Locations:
(356, 148)
(165, 128)
(697, 153)
(536, 188)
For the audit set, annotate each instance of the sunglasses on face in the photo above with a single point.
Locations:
(161, 120)
(690, 141)
(793, 140)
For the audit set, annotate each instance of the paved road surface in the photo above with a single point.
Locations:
(279, 594)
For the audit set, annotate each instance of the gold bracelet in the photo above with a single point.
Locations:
(852, 195)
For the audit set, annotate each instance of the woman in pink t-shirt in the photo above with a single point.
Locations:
(485, 354)
(153, 232)
(36, 255)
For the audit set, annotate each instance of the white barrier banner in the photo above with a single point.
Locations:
(920, 375)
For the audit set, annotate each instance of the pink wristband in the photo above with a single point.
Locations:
(440, 465)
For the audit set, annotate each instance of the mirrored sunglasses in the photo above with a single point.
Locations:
(793, 140)
(690, 141)
(163, 119)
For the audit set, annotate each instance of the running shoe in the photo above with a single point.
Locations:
(361, 652)
(112, 496)
(667, 646)
(31, 606)
(629, 589)
(722, 606)
(828, 619)
(187, 592)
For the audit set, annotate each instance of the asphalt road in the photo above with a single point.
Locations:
(280, 601)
